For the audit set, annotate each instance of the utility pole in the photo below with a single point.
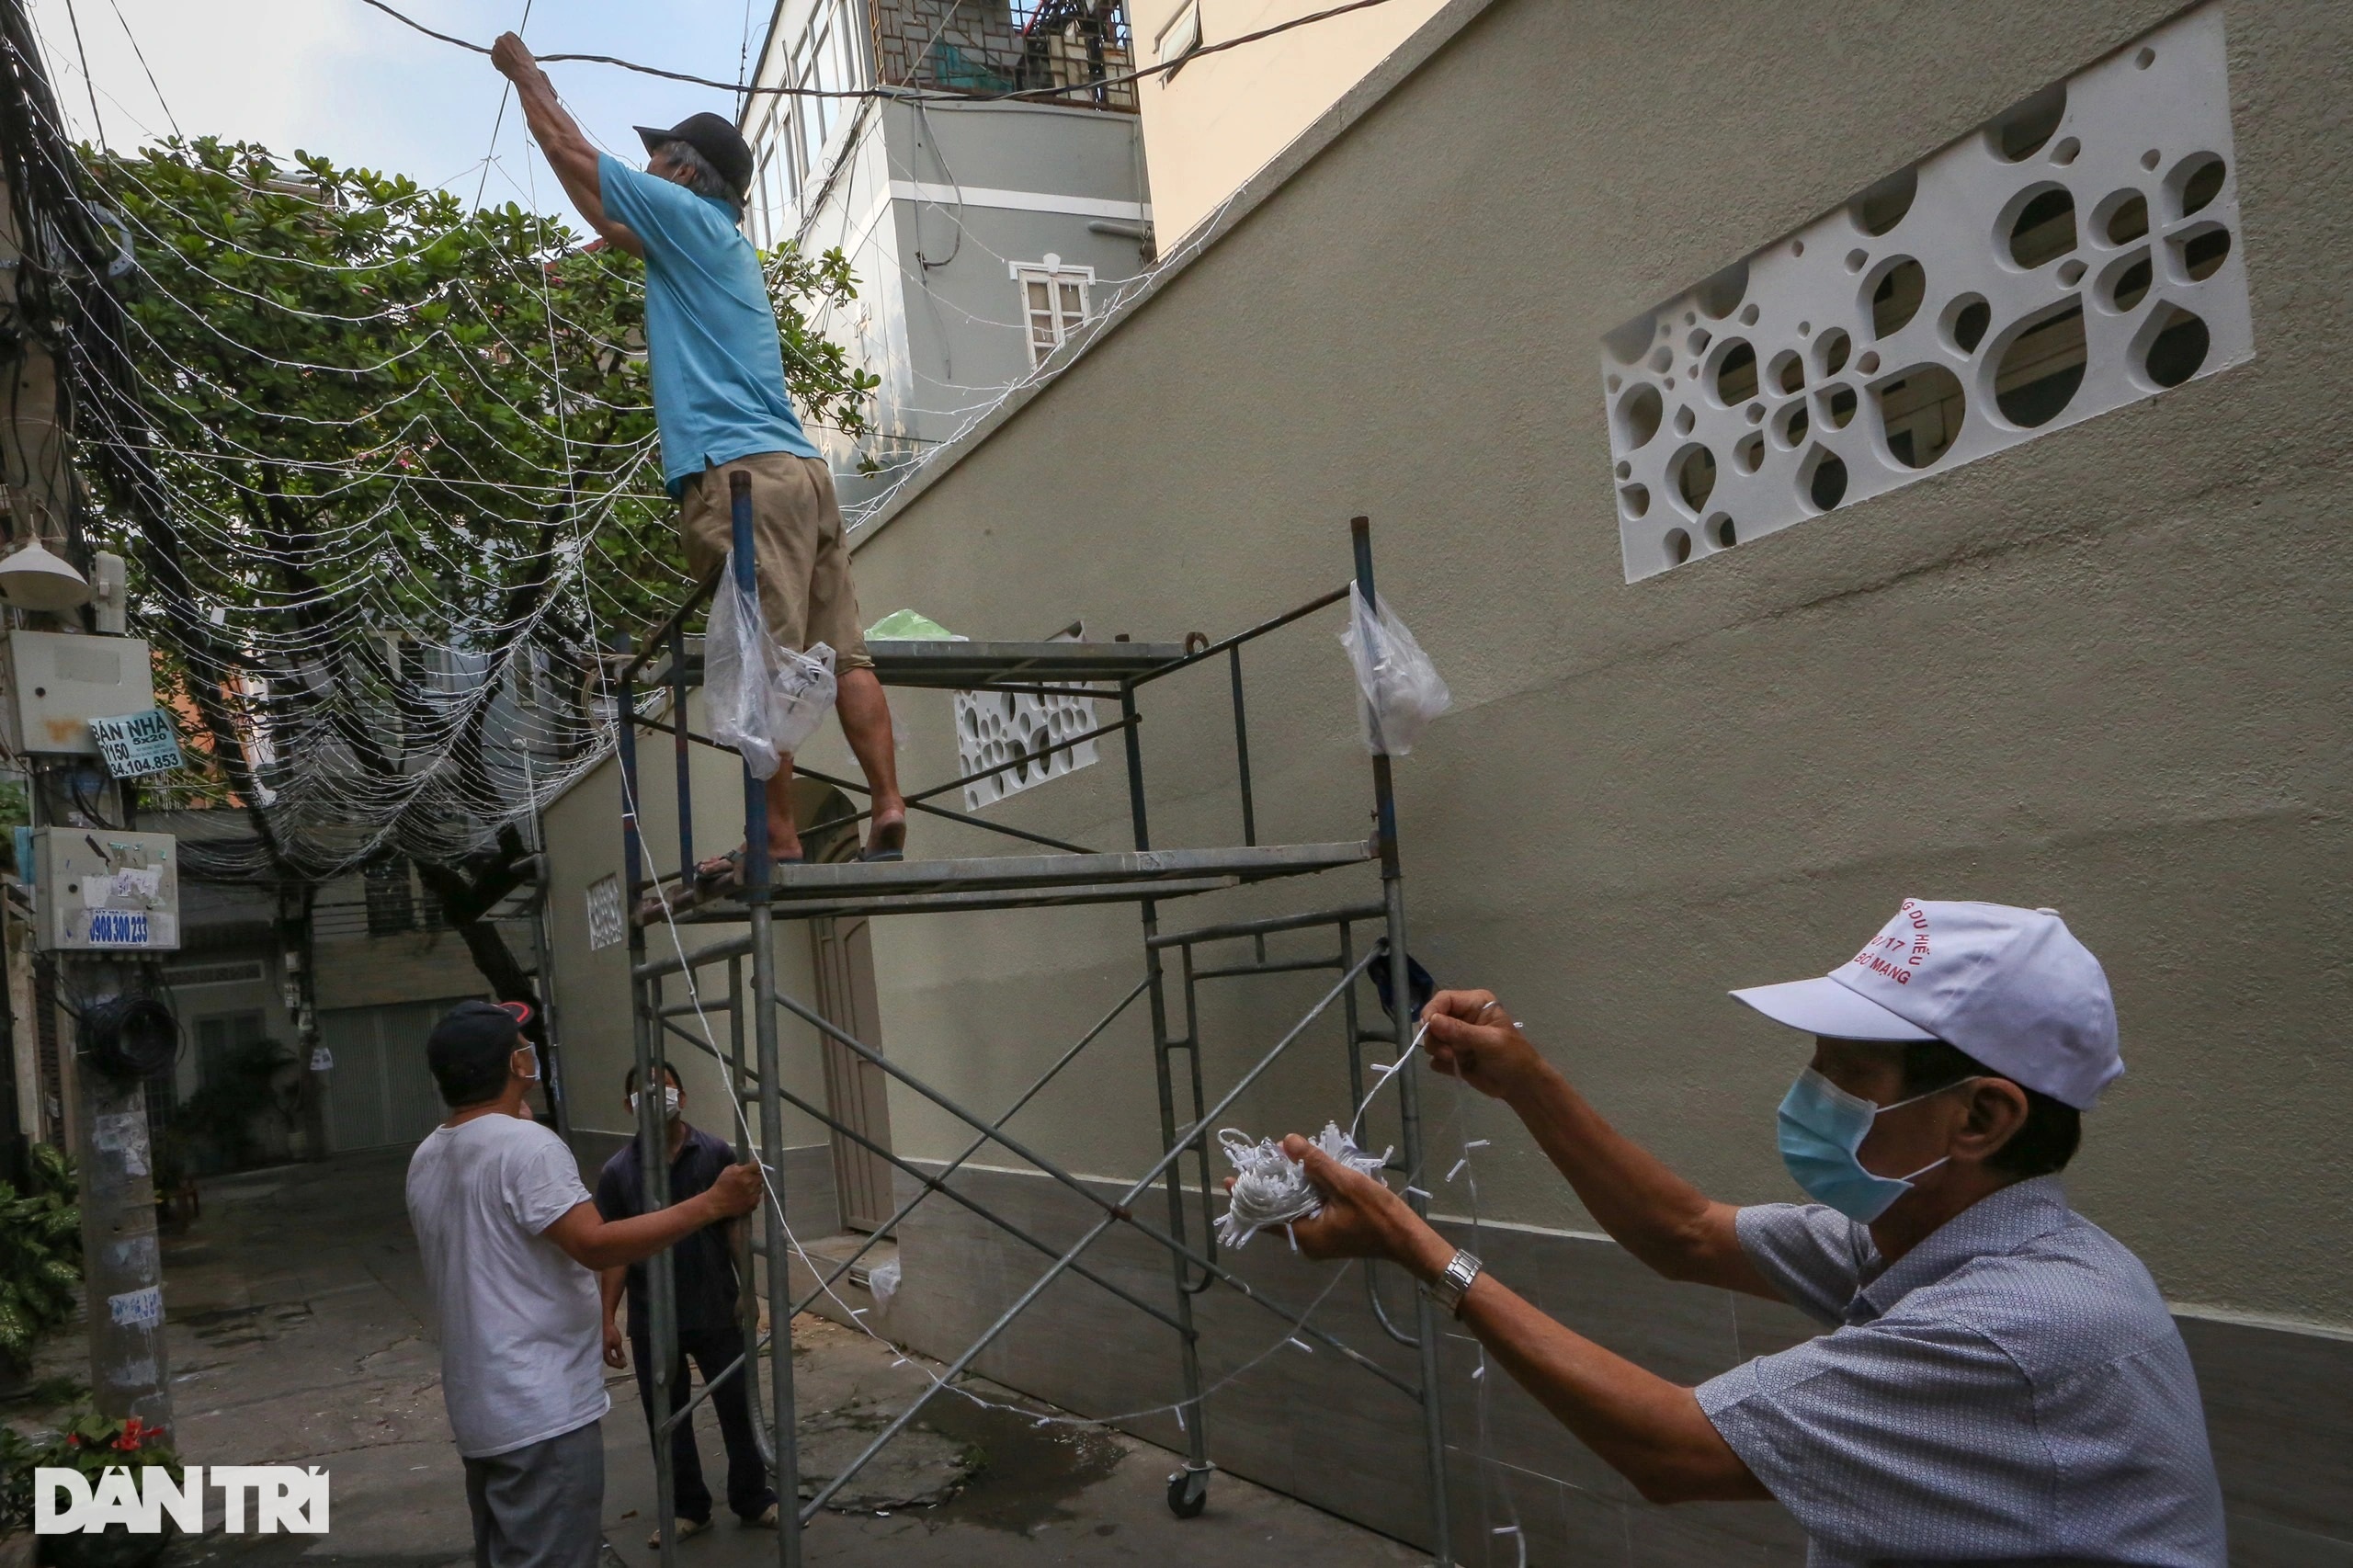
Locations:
(49, 259)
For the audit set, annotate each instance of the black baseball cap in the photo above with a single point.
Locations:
(476, 1024)
(716, 138)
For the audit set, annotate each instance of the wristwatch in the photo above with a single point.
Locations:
(1453, 1282)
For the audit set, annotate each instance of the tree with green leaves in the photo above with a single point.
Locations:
(385, 470)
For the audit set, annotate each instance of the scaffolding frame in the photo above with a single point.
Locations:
(1071, 875)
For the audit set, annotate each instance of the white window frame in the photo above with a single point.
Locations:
(1179, 37)
(1052, 273)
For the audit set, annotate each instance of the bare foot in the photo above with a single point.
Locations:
(889, 834)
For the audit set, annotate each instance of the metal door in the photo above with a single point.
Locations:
(855, 1087)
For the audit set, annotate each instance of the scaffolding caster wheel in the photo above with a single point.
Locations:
(1189, 1493)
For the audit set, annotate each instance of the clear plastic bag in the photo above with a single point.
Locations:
(1401, 689)
(765, 699)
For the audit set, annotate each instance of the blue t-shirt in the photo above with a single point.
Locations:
(710, 332)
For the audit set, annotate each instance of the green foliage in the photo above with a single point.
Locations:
(90, 1443)
(244, 1092)
(381, 417)
(41, 1253)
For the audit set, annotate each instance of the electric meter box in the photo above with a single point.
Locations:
(102, 892)
(58, 681)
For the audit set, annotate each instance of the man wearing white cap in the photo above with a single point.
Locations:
(2001, 1382)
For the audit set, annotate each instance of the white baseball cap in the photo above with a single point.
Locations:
(2010, 987)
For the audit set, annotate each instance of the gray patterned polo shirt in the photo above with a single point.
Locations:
(2012, 1389)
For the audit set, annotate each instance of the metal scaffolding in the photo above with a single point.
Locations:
(1070, 875)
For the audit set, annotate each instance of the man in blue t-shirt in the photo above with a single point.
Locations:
(720, 399)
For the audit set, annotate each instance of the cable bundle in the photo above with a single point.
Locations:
(1270, 1188)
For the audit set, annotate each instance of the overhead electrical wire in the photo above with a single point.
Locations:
(1017, 94)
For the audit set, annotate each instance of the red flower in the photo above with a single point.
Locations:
(72, 1440)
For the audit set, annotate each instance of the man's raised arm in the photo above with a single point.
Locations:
(1651, 1211)
(560, 138)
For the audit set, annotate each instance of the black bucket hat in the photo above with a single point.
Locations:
(716, 138)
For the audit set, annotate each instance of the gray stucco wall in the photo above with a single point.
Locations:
(2104, 672)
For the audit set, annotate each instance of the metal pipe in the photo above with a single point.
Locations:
(757, 869)
(1409, 1107)
(686, 781)
(1280, 966)
(747, 1295)
(661, 633)
(652, 1166)
(1214, 649)
(1268, 926)
(875, 1237)
(1121, 1210)
(1113, 1212)
(1242, 766)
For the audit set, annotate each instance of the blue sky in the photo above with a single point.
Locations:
(338, 78)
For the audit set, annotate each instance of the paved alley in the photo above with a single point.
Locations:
(300, 1333)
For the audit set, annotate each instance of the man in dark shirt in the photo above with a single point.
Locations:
(703, 1266)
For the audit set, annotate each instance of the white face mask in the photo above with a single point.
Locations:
(669, 1102)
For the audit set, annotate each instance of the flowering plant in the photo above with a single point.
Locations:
(91, 1443)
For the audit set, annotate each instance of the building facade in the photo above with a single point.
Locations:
(983, 230)
(2070, 633)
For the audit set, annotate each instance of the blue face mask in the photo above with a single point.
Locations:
(1821, 1127)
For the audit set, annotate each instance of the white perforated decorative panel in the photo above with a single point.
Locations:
(1031, 732)
(2080, 252)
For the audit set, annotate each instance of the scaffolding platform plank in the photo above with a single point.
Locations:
(1004, 881)
(976, 666)
(729, 912)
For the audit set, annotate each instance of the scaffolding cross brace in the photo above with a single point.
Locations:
(1071, 875)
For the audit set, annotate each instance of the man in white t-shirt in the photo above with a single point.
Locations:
(512, 1244)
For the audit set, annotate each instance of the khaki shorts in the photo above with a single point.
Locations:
(805, 589)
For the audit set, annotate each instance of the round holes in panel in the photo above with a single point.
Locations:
(2121, 217)
(1634, 500)
(2194, 184)
(1663, 359)
(1964, 322)
(1821, 479)
(1735, 372)
(1625, 470)
(1920, 413)
(1879, 206)
(1748, 452)
(1788, 371)
(1790, 427)
(1626, 343)
(1721, 532)
(1831, 349)
(1891, 294)
(2038, 364)
(2171, 345)
(2071, 272)
(2126, 282)
(2021, 133)
(2198, 253)
(1678, 547)
(1837, 406)
(1639, 412)
(1723, 293)
(1684, 420)
(1748, 315)
(1693, 472)
(2066, 151)
(2039, 225)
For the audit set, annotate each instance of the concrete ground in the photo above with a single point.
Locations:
(300, 1333)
